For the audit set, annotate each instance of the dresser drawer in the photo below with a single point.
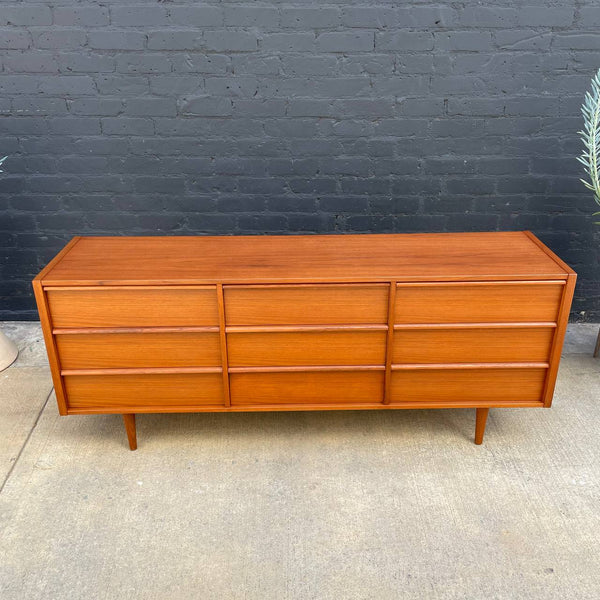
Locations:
(125, 350)
(133, 307)
(467, 385)
(135, 392)
(306, 388)
(307, 348)
(306, 304)
(477, 303)
(466, 345)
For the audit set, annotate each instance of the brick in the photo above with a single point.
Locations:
(174, 85)
(492, 16)
(30, 62)
(310, 18)
(532, 106)
(375, 17)
(19, 14)
(76, 62)
(256, 65)
(74, 126)
(293, 128)
(548, 16)
(200, 63)
(470, 41)
(116, 40)
(138, 16)
(81, 16)
(522, 39)
(426, 106)
(364, 107)
(245, 87)
(197, 16)
(207, 106)
(494, 107)
(66, 85)
(143, 63)
(310, 65)
(427, 17)
(263, 222)
(309, 108)
(313, 185)
(260, 108)
(240, 166)
(256, 185)
(404, 41)
(577, 41)
(251, 16)
(83, 164)
(18, 39)
(151, 107)
(359, 64)
(346, 204)
(34, 105)
(230, 41)
(122, 85)
(589, 16)
(170, 39)
(127, 126)
(288, 42)
(159, 185)
(62, 39)
(342, 41)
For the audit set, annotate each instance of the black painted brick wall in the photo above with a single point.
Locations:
(192, 117)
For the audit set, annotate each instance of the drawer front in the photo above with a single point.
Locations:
(155, 391)
(128, 350)
(481, 303)
(466, 385)
(515, 344)
(130, 307)
(306, 348)
(306, 305)
(306, 388)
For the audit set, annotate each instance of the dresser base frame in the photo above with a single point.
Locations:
(480, 422)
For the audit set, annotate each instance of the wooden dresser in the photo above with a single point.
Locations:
(189, 324)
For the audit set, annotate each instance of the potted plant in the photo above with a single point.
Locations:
(590, 159)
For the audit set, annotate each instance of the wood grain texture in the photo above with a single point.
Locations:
(51, 349)
(304, 322)
(223, 344)
(303, 258)
(484, 385)
(129, 421)
(88, 351)
(481, 416)
(559, 338)
(472, 345)
(133, 307)
(443, 303)
(315, 388)
(306, 348)
(305, 305)
(114, 393)
(174, 408)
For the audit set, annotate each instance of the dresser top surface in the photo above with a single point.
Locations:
(303, 258)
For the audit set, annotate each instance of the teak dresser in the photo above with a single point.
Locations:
(314, 322)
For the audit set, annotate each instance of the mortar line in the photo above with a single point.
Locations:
(18, 457)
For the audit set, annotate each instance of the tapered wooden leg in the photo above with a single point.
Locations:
(480, 419)
(597, 350)
(130, 429)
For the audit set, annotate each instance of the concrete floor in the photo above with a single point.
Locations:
(332, 505)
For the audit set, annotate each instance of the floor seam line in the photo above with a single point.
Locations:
(37, 419)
